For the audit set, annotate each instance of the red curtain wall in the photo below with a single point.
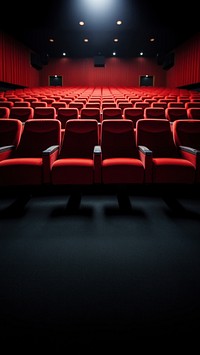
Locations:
(117, 72)
(15, 67)
(186, 69)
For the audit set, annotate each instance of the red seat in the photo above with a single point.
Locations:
(168, 164)
(10, 132)
(176, 113)
(29, 163)
(111, 113)
(21, 113)
(76, 162)
(4, 112)
(186, 134)
(193, 113)
(44, 112)
(154, 112)
(121, 163)
(65, 114)
(90, 113)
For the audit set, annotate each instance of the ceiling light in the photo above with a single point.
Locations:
(86, 40)
(119, 22)
(81, 23)
(116, 40)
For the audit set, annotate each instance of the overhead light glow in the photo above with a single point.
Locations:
(99, 5)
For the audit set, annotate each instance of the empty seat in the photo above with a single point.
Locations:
(44, 112)
(7, 103)
(29, 163)
(111, 113)
(121, 163)
(38, 103)
(134, 114)
(186, 135)
(176, 104)
(159, 104)
(58, 104)
(90, 113)
(154, 112)
(10, 132)
(21, 113)
(193, 113)
(22, 104)
(192, 104)
(75, 164)
(67, 113)
(4, 112)
(176, 113)
(168, 164)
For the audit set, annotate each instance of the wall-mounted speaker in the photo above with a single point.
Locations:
(168, 61)
(36, 61)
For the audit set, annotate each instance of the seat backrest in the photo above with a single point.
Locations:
(21, 113)
(187, 133)
(90, 113)
(176, 113)
(154, 112)
(79, 139)
(58, 104)
(67, 113)
(117, 139)
(37, 136)
(159, 104)
(156, 135)
(7, 103)
(133, 114)
(44, 112)
(4, 112)
(176, 104)
(192, 104)
(111, 113)
(22, 104)
(193, 113)
(10, 131)
(38, 104)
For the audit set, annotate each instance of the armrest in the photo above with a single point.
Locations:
(6, 151)
(146, 155)
(191, 154)
(97, 156)
(49, 155)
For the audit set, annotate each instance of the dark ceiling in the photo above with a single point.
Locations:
(34, 23)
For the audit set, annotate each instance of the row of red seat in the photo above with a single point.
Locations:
(133, 113)
(154, 154)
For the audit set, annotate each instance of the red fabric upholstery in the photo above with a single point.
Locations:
(65, 114)
(21, 113)
(120, 157)
(22, 104)
(25, 166)
(10, 132)
(7, 103)
(44, 112)
(193, 113)
(111, 113)
(187, 133)
(133, 114)
(176, 113)
(75, 164)
(154, 112)
(4, 112)
(168, 166)
(90, 113)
